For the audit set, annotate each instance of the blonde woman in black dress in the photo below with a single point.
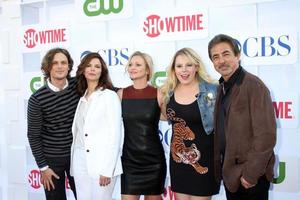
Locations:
(189, 95)
(143, 159)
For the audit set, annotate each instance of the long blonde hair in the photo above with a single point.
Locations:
(172, 81)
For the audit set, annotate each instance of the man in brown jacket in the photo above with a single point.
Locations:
(245, 126)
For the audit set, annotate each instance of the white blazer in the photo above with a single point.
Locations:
(103, 135)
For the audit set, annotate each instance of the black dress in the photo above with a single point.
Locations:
(191, 152)
(143, 159)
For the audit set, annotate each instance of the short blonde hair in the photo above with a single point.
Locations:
(172, 81)
(148, 61)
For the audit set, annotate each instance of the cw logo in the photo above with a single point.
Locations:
(281, 174)
(36, 83)
(96, 7)
(159, 78)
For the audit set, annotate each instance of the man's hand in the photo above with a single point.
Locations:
(104, 181)
(46, 178)
(246, 184)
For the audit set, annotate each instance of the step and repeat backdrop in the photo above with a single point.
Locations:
(267, 31)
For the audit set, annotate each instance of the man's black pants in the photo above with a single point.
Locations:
(259, 192)
(61, 166)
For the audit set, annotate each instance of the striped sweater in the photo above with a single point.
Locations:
(49, 117)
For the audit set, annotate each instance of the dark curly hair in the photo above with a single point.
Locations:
(46, 64)
(104, 79)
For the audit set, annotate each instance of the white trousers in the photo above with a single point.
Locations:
(88, 188)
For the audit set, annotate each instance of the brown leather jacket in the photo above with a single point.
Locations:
(250, 132)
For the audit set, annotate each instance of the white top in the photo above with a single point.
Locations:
(54, 88)
(80, 120)
(102, 132)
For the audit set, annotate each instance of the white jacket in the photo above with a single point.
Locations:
(104, 135)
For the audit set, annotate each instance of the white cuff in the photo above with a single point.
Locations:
(44, 168)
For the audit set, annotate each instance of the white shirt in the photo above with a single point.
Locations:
(80, 120)
(54, 88)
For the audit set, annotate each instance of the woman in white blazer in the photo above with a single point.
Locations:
(97, 132)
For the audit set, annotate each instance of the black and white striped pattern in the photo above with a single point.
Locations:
(49, 118)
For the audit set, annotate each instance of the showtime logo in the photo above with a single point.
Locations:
(176, 25)
(283, 110)
(34, 179)
(33, 37)
(286, 110)
(154, 25)
(168, 194)
(40, 38)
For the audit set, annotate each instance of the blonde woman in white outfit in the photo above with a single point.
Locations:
(97, 132)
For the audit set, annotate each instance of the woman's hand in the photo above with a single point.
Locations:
(104, 181)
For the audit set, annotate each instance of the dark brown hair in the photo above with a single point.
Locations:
(104, 79)
(227, 39)
(46, 64)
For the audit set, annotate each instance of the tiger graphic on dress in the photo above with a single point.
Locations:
(180, 152)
